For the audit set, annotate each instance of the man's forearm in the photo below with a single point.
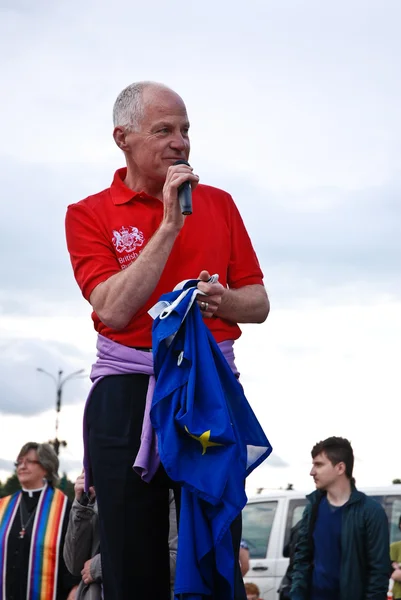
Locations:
(249, 304)
(116, 300)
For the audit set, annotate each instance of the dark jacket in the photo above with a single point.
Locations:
(289, 552)
(365, 561)
(82, 542)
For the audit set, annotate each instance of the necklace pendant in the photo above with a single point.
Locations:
(22, 534)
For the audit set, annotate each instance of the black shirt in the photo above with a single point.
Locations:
(18, 552)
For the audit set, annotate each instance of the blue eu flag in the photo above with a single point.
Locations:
(209, 440)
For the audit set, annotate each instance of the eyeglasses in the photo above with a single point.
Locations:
(27, 461)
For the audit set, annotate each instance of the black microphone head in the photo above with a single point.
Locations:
(185, 192)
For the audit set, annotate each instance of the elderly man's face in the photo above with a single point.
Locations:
(162, 137)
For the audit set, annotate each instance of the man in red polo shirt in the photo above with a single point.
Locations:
(128, 245)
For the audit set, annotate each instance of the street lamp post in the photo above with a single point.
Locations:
(59, 381)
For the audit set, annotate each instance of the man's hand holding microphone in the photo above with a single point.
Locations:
(177, 193)
(180, 182)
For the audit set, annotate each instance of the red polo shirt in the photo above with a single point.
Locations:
(107, 231)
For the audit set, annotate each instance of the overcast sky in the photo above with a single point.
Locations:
(294, 109)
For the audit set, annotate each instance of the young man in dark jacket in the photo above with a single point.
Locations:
(342, 550)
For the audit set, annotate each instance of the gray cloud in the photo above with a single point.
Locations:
(6, 465)
(32, 232)
(274, 461)
(24, 391)
(287, 94)
(315, 239)
(69, 464)
(308, 100)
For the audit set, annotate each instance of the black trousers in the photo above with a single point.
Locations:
(133, 515)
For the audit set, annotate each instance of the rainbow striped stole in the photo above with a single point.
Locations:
(44, 552)
(8, 509)
(45, 545)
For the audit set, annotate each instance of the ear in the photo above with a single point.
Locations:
(119, 135)
(340, 468)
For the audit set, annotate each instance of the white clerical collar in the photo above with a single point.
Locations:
(31, 492)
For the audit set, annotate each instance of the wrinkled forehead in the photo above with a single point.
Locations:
(160, 101)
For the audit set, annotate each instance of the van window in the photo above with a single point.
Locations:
(295, 512)
(394, 519)
(392, 506)
(257, 522)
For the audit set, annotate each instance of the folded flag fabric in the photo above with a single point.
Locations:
(209, 440)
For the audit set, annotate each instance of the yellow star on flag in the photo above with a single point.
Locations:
(203, 439)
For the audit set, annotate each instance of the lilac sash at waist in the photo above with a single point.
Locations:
(116, 359)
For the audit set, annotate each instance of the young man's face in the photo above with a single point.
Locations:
(324, 473)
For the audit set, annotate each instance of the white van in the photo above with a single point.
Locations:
(267, 522)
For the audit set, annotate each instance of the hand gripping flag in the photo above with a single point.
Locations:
(208, 438)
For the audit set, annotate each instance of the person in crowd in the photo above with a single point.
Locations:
(289, 552)
(395, 556)
(128, 245)
(33, 523)
(252, 591)
(343, 541)
(82, 542)
(244, 557)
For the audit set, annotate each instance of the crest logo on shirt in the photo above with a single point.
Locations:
(128, 239)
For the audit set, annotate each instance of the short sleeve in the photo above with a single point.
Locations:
(244, 268)
(91, 253)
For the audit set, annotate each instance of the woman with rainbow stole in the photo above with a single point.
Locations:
(33, 523)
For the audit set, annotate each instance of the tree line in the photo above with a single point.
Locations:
(12, 485)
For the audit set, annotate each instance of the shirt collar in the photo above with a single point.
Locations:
(120, 193)
(30, 493)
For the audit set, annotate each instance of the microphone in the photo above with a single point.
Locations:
(185, 193)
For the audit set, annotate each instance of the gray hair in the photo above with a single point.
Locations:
(129, 107)
(46, 457)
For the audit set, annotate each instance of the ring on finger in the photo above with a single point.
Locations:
(204, 306)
